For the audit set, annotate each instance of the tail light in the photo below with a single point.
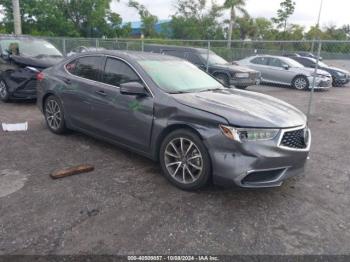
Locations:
(40, 76)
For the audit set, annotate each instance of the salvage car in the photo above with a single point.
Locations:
(286, 71)
(21, 59)
(169, 110)
(340, 77)
(228, 74)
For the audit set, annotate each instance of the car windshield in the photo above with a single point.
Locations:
(319, 62)
(214, 59)
(29, 47)
(176, 76)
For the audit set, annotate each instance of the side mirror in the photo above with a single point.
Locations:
(286, 67)
(133, 89)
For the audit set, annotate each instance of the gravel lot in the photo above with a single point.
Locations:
(126, 207)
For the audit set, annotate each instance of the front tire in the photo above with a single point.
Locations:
(301, 83)
(4, 93)
(54, 115)
(184, 160)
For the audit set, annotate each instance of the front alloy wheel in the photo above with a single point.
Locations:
(185, 160)
(4, 94)
(301, 83)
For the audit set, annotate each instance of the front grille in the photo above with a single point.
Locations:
(296, 139)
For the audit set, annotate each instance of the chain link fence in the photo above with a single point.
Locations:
(334, 53)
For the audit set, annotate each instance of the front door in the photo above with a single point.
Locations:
(128, 119)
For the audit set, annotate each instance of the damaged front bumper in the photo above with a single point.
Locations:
(257, 164)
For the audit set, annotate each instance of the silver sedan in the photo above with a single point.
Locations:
(286, 71)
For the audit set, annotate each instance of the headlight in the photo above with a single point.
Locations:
(248, 134)
(242, 75)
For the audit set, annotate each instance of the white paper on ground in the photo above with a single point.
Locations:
(15, 127)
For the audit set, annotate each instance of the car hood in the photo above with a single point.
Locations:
(336, 69)
(312, 70)
(244, 108)
(42, 62)
(234, 68)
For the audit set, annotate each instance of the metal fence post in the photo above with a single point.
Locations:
(97, 43)
(314, 80)
(127, 46)
(64, 48)
(208, 55)
(142, 45)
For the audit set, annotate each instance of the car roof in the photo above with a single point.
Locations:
(135, 55)
(174, 48)
(8, 36)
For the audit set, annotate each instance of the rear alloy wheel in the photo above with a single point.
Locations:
(185, 160)
(4, 93)
(301, 83)
(54, 115)
(223, 79)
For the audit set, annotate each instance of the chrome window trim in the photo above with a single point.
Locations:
(97, 82)
(283, 131)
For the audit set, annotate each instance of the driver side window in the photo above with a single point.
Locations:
(118, 72)
(275, 62)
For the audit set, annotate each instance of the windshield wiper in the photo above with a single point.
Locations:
(213, 89)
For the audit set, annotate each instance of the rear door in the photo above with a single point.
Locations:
(84, 74)
(261, 64)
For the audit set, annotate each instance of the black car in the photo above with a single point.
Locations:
(302, 54)
(22, 58)
(228, 74)
(340, 77)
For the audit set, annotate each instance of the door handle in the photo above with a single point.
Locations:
(101, 93)
(67, 81)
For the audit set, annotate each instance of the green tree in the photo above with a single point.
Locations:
(287, 8)
(88, 18)
(234, 6)
(149, 21)
(195, 20)
(264, 29)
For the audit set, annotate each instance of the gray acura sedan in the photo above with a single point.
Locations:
(167, 109)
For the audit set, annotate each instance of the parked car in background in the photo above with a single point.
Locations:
(169, 110)
(340, 77)
(286, 71)
(21, 59)
(302, 54)
(228, 74)
(83, 49)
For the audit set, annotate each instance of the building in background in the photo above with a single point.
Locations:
(161, 28)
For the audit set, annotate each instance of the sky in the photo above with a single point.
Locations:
(335, 12)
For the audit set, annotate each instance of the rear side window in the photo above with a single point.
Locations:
(118, 72)
(88, 67)
(71, 66)
(260, 61)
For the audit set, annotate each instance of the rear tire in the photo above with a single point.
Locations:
(4, 92)
(301, 83)
(54, 115)
(184, 160)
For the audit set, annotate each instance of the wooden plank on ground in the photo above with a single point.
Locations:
(72, 171)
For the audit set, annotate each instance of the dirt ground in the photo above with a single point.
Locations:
(127, 207)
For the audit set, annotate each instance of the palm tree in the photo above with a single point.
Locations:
(233, 5)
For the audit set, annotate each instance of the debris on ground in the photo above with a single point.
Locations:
(15, 127)
(72, 171)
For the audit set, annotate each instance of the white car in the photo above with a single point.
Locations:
(286, 71)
